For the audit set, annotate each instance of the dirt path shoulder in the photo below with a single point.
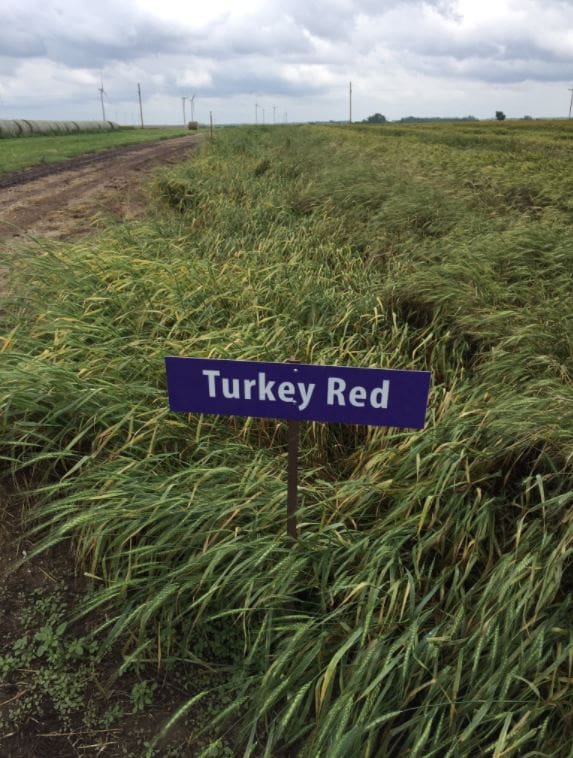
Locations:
(62, 202)
(37, 717)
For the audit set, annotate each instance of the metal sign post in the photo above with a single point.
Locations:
(292, 478)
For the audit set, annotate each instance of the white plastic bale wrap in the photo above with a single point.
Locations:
(9, 129)
(25, 127)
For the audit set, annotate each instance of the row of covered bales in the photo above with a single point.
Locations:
(24, 128)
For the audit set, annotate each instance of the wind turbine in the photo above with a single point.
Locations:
(102, 94)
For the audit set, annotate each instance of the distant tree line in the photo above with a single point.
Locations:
(431, 119)
(378, 118)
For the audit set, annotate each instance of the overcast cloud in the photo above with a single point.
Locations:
(404, 57)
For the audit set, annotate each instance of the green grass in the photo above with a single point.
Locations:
(426, 609)
(23, 152)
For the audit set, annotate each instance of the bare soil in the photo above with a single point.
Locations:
(68, 199)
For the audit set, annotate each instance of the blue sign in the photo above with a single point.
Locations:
(377, 397)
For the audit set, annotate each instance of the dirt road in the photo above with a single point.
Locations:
(67, 201)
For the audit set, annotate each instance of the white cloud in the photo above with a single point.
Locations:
(430, 57)
(195, 76)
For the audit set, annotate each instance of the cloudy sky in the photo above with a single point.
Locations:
(291, 57)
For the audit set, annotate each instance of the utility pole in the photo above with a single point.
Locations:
(211, 124)
(350, 103)
(571, 103)
(256, 113)
(274, 111)
(140, 106)
(263, 115)
(183, 101)
(193, 108)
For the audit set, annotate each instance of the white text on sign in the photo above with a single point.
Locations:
(338, 392)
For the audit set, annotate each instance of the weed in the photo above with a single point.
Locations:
(46, 667)
(142, 695)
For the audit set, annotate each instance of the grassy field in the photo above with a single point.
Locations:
(23, 152)
(426, 609)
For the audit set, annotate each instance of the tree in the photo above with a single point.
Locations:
(500, 115)
(377, 118)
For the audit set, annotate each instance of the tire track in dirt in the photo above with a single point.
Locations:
(67, 199)
(36, 172)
